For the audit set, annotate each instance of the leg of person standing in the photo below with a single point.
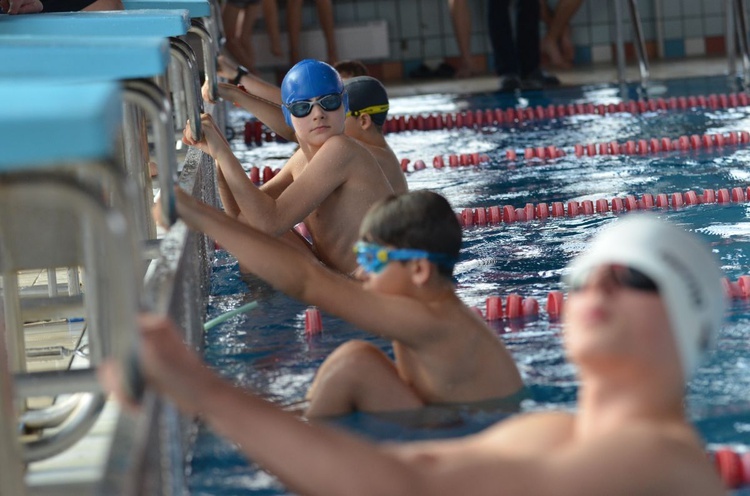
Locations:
(325, 15)
(461, 17)
(527, 38)
(557, 44)
(503, 45)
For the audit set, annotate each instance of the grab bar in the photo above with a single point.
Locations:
(147, 96)
(740, 24)
(185, 56)
(114, 242)
(198, 28)
(640, 46)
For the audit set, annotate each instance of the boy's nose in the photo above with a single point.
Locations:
(316, 110)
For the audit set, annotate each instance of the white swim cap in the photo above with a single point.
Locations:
(681, 265)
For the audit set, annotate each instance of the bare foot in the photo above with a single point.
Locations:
(465, 71)
(549, 48)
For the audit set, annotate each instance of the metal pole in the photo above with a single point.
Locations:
(640, 45)
(620, 43)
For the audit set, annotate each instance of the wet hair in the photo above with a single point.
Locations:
(421, 220)
(351, 68)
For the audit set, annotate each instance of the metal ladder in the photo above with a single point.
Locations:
(640, 46)
(736, 26)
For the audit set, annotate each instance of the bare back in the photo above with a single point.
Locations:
(348, 181)
(390, 166)
(462, 362)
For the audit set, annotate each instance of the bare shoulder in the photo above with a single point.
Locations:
(344, 145)
(667, 457)
(531, 433)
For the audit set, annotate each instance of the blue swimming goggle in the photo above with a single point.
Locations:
(373, 257)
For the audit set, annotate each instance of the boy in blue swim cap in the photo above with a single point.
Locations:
(329, 183)
(368, 109)
(629, 435)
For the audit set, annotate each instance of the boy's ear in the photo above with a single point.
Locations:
(421, 271)
(365, 121)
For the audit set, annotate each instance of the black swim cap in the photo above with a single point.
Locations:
(367, 95)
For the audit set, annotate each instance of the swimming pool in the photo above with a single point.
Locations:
(267, 350)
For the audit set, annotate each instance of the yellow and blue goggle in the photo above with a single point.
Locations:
(373, 257)
(375, 109)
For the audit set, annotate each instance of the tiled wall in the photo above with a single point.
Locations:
(421, 30)
(686, 28)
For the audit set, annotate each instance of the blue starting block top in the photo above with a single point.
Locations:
(135, 23)
(197, 8)
(82, 59)
(49, 122)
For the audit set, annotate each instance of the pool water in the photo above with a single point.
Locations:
(267, 351)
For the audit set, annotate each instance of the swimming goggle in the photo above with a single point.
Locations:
(375, 109)
(302, 108)
(622, 275)
(373, 257)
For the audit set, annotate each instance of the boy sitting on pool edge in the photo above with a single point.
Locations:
(329, 183)
(408, 245)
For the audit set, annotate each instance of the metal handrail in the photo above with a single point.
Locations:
(198, 28)
(109, 251)
(640, 46)
(740, 24)
(185, 56)
(12, 481)
(152, 100)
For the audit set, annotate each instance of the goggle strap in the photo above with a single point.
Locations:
(375, 109)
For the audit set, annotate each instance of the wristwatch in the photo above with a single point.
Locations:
(241, 71)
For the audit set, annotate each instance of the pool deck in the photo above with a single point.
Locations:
(596, 74)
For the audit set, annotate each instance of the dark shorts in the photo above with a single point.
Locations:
(243, 3)
(65, 5)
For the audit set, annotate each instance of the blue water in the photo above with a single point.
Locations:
(267, 351)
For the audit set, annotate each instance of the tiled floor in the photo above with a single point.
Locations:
(576, 76)
(59, 345)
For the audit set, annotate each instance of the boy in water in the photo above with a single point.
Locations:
(329, 183)
(645, 303)
(368, 110)
(407, 247)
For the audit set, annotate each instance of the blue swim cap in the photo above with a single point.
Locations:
(310, 79)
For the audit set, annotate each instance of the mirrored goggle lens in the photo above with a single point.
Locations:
(623, 276)
(303, 108)
(634, 279)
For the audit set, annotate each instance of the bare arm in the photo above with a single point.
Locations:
(266, 110)
(284, 178)
(390, 316)
(302, 455)
(21, 6)
(260, 210)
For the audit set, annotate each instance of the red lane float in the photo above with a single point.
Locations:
(517, 116)
(509, 214)
(515, 307)
(555, 304)
(313, 321)
(641, 147)
(493, 308)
